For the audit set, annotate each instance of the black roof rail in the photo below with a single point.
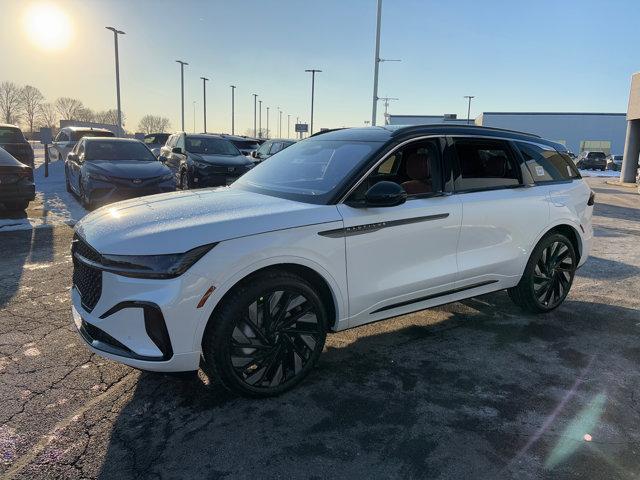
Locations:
(321, 132)
(479, 127)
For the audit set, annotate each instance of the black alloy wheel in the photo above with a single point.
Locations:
(548, 276)
(267, 335)
(184, 181)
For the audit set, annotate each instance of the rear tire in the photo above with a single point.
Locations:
(85, 199)
(66, 181)
(184, 181)
(267, 334)
(548, 276)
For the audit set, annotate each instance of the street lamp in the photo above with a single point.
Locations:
(117, 32)
(279, 123)
(233, 107)
(204, 101)
(469, 97)
(267, 123)
(313, 82)
(182, 64)
(194, 116)
(288, 125)
(260, 118)
(255, 97)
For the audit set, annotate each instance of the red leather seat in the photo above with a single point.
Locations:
(418, 170)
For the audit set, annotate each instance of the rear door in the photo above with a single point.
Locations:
(502, 211)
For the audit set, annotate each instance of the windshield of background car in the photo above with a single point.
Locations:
(78, 134)
(210, 146)
(246, 145)
(11, 135)
(117, 151)
(160, 138)
(310, 171)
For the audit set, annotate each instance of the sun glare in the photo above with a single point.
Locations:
(47, 26)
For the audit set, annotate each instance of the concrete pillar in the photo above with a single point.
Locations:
(631, 152)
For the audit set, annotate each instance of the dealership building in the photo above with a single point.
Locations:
(577, 131)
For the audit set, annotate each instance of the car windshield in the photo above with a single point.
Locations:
(117, 151)
(210, 146)
(246, 144)
(309, 171)
(11, 135)
(78, 134)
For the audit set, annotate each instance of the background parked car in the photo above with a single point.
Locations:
(155, 141)
(13, 141)
(68, 137)
(104, 170)
(246, 145)
(614, 162)
(200, 160)
(16, 182)
(592, 160)
(271, 147)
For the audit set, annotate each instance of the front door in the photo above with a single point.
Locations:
(400, 257)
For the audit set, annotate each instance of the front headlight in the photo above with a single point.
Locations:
(198, 164)
(151, 266)
(100, 177)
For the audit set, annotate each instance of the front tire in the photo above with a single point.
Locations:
(267, 334)
(548, 275)
(85, 198)
(184, 181)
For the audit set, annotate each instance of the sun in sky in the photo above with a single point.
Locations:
(47, 26)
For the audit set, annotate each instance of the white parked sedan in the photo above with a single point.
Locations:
(345, 228)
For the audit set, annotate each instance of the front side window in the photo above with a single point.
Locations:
(263, 150)
(62, 137)
(311, 171)
(484, 165)
(546, 164)
(275, 148)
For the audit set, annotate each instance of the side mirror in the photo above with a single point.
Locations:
(254, 153)
(72, 157)
(385, 194)
(176, 150)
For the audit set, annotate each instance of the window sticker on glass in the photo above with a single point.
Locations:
(539, 171)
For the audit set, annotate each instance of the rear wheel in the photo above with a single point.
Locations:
(184, 181)
(85, 198)
(66, 181)
(267, 335)
(548, 275)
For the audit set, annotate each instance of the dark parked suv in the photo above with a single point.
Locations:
(592, 160)
(13, 141)
(200, 160)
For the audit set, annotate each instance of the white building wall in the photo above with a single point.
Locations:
(570, 128)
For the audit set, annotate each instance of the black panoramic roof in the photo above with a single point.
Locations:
(398, 132)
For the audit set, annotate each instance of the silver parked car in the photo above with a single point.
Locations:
(67, 138)
(155, 141)
(614, 162)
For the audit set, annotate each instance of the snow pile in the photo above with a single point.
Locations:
(599, 173)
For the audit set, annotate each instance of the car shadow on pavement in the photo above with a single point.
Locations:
(474, 388)
(602, 268)
(617, 212)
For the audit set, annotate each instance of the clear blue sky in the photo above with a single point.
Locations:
(543, 55)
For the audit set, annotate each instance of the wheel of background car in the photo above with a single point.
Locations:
(184, 181)
(267, 334)
(66, 180)
(85, 199)
(548, 275)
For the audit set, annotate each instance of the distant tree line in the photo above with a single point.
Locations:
(26, 106)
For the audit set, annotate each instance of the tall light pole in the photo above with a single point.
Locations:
(182, 64)
(233, 107)
(194, 116)
(469, 97)
(386, 106)
(204, 101)
(255, 111)
(117, 32)
(313, 84)
(267, 123)
(279, 123)
(260, 118)
(288, 125)
(297, 122)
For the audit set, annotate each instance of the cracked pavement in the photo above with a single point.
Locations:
(474, 389)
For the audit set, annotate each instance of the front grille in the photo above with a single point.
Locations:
(88, 280)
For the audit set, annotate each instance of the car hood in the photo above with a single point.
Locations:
(179, 221)
(226, 160)
(127, 168)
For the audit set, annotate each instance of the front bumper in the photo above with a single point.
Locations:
(147, 324)
(103, 192)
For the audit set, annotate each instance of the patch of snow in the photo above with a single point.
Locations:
(599, 173)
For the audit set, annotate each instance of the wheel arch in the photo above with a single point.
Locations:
(326, 286)
(569, 230)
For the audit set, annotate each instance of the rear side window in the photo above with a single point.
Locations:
(11, 135)
(485, 165)
(546, 164)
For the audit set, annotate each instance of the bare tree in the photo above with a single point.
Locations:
(109, 117)
(48, 116)
(86, 115)
(9, 102)
(30, 100)
(68, 108)
(153, 124)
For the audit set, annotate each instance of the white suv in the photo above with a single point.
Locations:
(345, 228)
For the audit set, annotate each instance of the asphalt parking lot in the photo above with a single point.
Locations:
(474, 389)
